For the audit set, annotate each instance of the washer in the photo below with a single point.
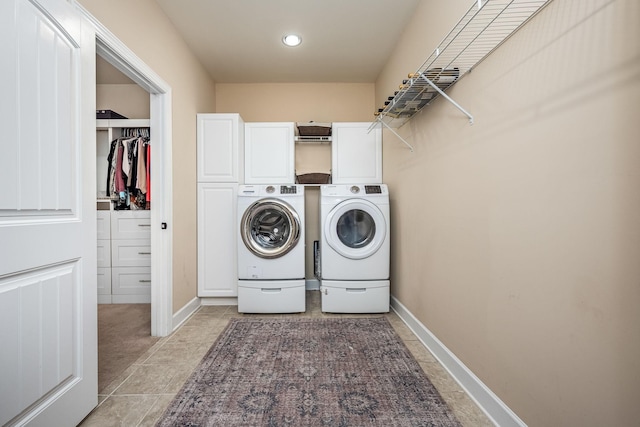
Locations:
(354, 248)
(271, 264)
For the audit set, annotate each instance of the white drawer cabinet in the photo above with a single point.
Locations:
(131, 253)
(130, 284)
(130, 225)
(124, 257)
(104, 284)
(104, 225)
(104, 253)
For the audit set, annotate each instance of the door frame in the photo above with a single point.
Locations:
(109, 47)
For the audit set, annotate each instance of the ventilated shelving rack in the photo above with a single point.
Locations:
(486, 25)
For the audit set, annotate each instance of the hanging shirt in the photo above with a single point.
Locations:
(141, 182)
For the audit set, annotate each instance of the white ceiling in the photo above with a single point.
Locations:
(239, 41)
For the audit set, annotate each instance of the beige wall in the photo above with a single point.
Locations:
(300, 102)
(130, 100)
(516, 239)
(143, 27)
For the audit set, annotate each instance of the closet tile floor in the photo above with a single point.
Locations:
(142, 393)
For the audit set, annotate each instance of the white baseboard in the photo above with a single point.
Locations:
(312, 284)
(183, 314)
(491, 404)
(219, 301)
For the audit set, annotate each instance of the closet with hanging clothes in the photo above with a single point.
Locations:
(123, 201)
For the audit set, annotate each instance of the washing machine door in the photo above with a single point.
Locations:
(355, 228)
(270, 228)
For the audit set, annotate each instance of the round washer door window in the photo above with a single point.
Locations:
(270, 228)
(355, 229)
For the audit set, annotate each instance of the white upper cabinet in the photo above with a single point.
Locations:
(269, 153)
(220, 148)
(356, 155)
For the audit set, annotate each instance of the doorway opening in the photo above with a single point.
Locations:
(114, 52)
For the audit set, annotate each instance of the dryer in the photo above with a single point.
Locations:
(354, 248)
(271, 253)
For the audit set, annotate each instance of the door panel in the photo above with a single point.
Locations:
(368, 236)
(270, 228)
(217, 227)
(48, 363)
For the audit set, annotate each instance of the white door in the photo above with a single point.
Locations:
(355, 228)
(48, 361)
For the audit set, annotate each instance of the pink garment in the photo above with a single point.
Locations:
(148, 173)
(141, 176)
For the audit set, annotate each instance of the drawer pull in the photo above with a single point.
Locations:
(144, 253)
(144, 225)
(144, 281)
(358, 290)
(271, 290)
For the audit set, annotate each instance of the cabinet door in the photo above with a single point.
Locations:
(269, 153)
(217, 240)
(356, 156)
(220, 148)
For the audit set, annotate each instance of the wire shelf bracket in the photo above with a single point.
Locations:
(383, 124)
(447, 97)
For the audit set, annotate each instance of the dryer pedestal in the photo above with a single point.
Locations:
(359, 296)
(271, 296)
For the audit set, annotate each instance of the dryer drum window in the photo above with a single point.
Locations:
(270, 228)
(356, 228)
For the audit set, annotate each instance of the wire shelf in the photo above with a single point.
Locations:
(486, 25)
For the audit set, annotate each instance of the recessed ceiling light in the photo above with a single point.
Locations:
(292, 40)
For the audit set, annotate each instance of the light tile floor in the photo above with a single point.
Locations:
(142, 393)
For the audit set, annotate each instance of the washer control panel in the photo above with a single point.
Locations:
(288, 189)
(372, 189)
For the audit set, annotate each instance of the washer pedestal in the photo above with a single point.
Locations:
(362, 296)
(271, 296)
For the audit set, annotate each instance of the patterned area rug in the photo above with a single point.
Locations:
(308, 372)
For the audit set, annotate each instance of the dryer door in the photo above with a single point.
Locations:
(270, 228)
(355, 228)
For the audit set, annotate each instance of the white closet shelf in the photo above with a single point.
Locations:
(122, 123)
(486, 25)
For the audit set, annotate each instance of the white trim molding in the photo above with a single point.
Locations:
(496, 409)
(114, 51)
